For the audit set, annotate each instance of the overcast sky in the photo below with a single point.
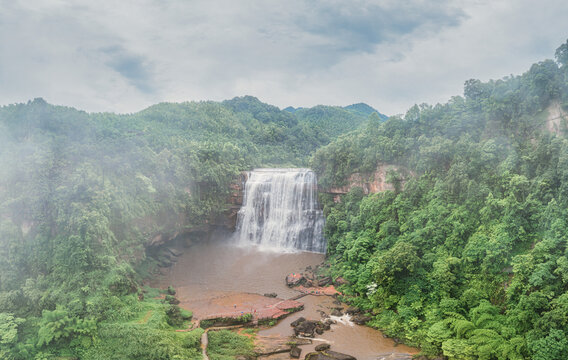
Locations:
(123, 56)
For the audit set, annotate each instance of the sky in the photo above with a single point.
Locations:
(123, 56)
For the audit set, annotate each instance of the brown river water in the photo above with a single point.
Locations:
(212, 277)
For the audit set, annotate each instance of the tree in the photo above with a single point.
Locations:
(561, 54)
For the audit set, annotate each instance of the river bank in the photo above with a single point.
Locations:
(214, 278)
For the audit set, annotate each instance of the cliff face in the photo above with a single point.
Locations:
(371, 182)
(229, 218)
(557, 118)
(180, 230)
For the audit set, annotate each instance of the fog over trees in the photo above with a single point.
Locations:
(466, 257)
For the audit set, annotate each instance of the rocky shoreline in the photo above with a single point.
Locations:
(259, 293)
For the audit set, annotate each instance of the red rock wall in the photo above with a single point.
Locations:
(370, 183)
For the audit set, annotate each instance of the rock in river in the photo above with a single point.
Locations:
(322, 347)
(295, 279)
(361, 319)
(328, 355)
(295, 352)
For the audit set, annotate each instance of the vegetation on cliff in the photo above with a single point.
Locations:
(470, 259)
(83, 195)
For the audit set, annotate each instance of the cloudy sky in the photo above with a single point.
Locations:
(123, 56)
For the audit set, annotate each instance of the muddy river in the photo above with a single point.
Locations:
(214, 277)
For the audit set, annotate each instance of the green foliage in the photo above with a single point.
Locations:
(139, 341)
(58, 325)
(82, 196)
(225, 345)
(467, 258)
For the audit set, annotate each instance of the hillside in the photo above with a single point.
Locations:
(86, 198)
(467, 256)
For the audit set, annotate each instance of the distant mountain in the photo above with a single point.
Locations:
(365, 109)
(359, 109)
(291, 109)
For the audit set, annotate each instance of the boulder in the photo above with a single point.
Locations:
(271, 295)
(164, 263)
(336, 312)
(324, 281)
(307, 328)
(341, 281)
(295, 352)
(352, 310)
(295, 279)
(297, 321)
(328, 355)
(164, 253)
(361, 319)
(174, 252)
(322, 347)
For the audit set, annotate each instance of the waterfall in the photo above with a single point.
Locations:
(280, 211)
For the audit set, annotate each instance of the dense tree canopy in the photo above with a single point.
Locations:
(82, 195)
(469, 260)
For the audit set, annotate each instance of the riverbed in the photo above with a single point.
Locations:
(215, 277)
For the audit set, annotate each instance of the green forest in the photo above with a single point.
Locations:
(467, 257)
(83, 195)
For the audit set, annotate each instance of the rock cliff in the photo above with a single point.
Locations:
(374, 182)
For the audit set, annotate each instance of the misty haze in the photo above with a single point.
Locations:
(171, 186)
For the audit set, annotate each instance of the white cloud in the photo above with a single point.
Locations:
(124, 56)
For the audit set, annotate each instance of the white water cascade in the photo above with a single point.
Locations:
(280, 211)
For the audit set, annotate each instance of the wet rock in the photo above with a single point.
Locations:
(167, 255)
(336, 312)
(271, 295)
(295, 279)
(164, 263)
(324, 281)
(295, 352)
(174, 252)
(397, 357)
(352, 310)
(328, 355)
(361, 319)
(336, 302)
(323, 314)
(322, 347)
(270, 345)
(307, 328)
(297, 321)
(326, 327)
(329, 322)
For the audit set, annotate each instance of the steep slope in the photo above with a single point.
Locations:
(469, 259)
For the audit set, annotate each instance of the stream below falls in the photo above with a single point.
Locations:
(213, 277)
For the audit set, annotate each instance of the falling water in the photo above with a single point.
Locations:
(280, 211)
